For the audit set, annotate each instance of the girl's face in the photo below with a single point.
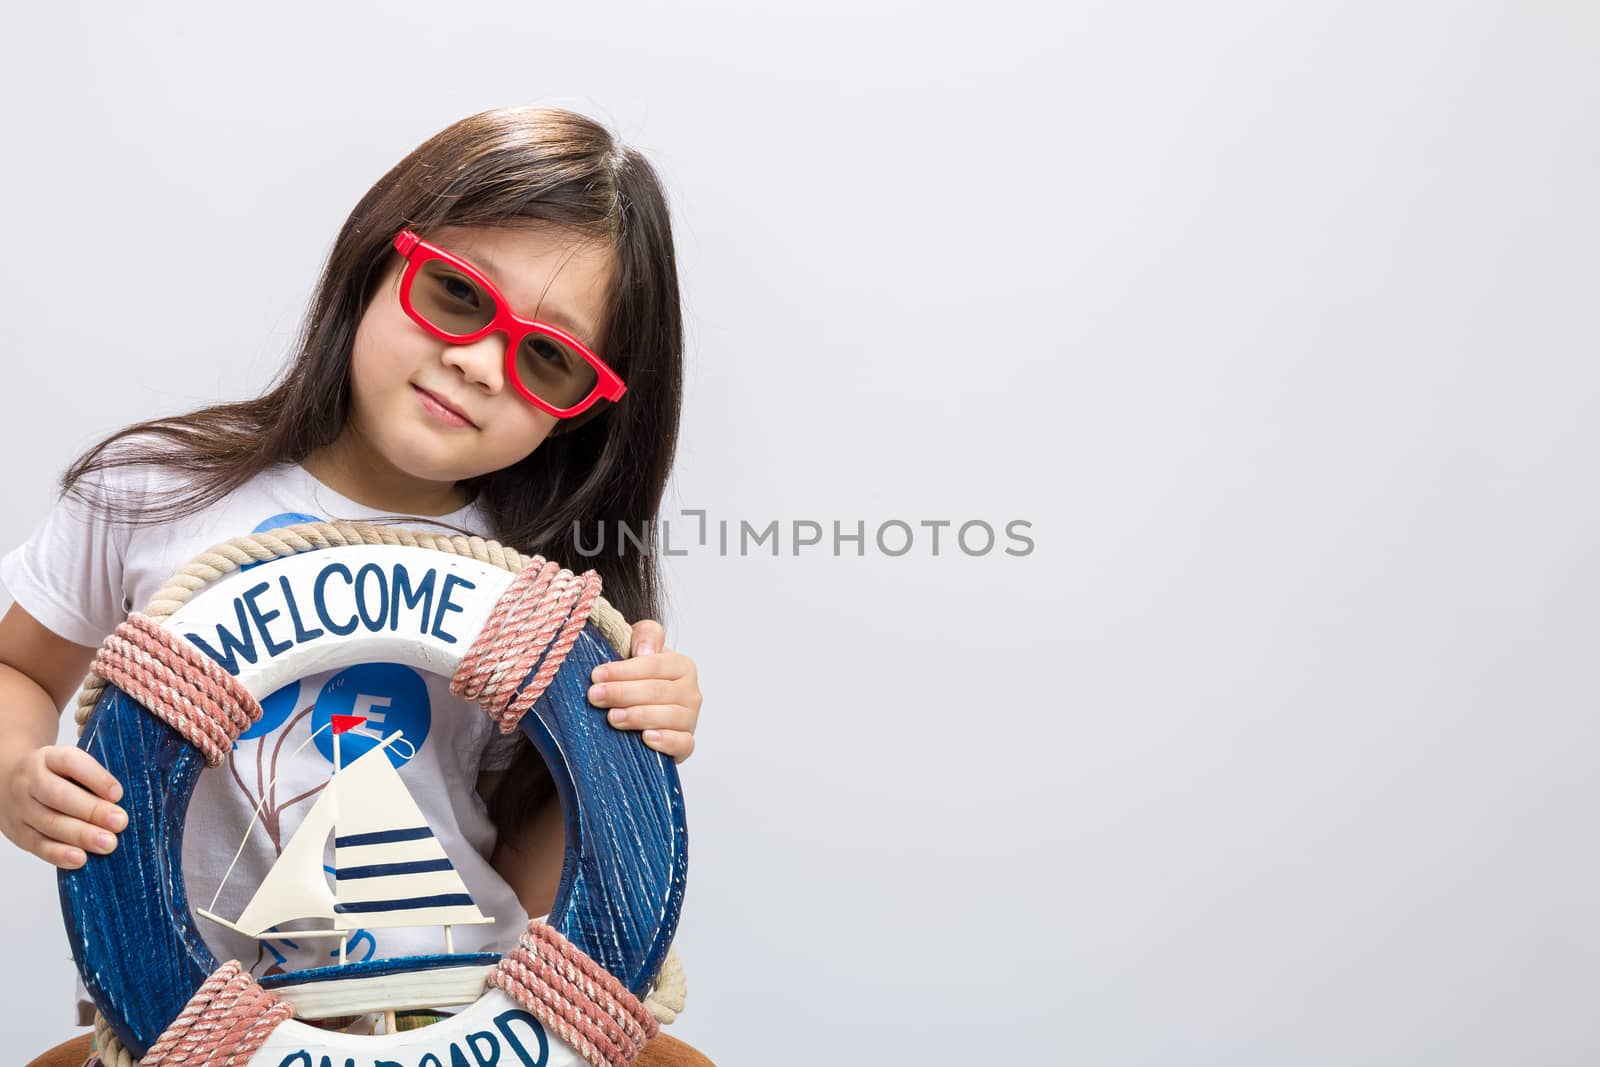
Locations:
(545, 274)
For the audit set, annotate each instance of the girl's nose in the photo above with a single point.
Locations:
(482, 362)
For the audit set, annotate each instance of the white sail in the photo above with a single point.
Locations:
(389, 868)
(296, 887)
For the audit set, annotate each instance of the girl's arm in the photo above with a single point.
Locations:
(529, 859)
(56, 801)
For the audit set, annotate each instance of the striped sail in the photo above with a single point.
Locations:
(389, 868)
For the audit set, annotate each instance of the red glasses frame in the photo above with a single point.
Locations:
(417, 251)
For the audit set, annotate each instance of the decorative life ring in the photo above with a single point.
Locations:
(413, 600)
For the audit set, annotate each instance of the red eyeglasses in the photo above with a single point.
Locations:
(454, 301)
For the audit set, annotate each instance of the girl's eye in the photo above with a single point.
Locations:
(459, 289)
(550, 352)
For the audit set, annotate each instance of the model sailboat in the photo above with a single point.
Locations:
(389, 868)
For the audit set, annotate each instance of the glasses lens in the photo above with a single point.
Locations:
(554, 371)
(450, 300)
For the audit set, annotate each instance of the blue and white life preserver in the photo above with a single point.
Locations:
(128, 918)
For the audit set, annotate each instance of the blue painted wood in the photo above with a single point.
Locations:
(627, 856)
(622, 880)
(371, 968)
(127, 914)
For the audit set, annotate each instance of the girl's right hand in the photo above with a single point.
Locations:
(60, 804)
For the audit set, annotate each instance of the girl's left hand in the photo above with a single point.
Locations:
(655, 690)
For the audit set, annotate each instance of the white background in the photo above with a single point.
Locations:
(1276, 322)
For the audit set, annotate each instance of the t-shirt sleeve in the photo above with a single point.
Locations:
(68, 574)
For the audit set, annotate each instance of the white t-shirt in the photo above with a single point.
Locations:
(80, 575)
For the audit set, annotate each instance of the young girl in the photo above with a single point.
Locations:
(495, 348)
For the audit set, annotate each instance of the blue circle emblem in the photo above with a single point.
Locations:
(391, 696)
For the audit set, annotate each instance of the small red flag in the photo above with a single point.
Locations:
(341, 723)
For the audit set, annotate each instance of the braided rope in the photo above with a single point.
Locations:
(573, 995)
(178, 683)
(226, 1020)
(666, 999)
(518, 631)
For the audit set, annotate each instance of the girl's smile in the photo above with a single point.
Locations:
(447, 412)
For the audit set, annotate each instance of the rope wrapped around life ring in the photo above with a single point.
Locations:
(521, 633)
(226, 1020)
(573, 995)
(552, 978)
(179, 684)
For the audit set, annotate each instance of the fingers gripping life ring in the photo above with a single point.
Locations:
(129, 922)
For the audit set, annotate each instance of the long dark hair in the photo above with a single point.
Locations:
(503, 167)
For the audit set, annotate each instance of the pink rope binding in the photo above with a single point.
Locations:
(542, 598)
(177, 683)
(226, 1020)
(570, 993)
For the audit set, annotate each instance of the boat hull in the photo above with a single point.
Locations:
(399, 984)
